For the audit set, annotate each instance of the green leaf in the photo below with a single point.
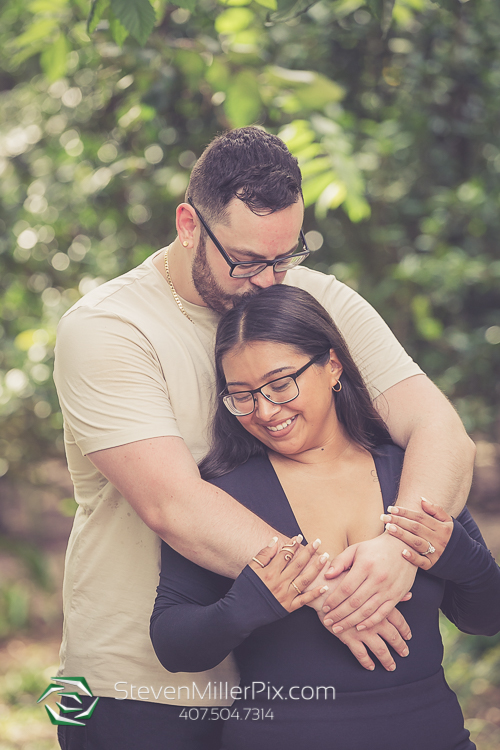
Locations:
(54, 59)
(271, 4)
(96, 14)
(243, 103)
(218, 75)
(137, 16)
(233, 20)
(192, 65)
(235, 2)
(382, 10)
(118, 30)
(289, 9)
(37, 31)
(312, 189)
(186, 4)
(46, 6)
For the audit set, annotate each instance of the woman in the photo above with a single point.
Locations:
(296, 439)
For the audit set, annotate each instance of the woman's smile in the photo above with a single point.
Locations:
(282, 427)
(303, 423)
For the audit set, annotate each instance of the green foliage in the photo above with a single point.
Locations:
(396, 138)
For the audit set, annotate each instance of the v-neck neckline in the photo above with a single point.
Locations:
(385, 488)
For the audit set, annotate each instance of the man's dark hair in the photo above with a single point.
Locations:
(286, 315)
(249, 164)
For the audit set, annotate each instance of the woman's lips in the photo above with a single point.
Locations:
(283, 428)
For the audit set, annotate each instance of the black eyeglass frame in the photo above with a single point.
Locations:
(264, 263)
(227, 396)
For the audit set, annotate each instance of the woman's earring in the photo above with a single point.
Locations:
(185, 243)
(337, 390)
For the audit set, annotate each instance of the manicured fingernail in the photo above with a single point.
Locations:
(407, 637)
(359, 628)
(328, 622)
(391, 527)
(316, 543)
(393, 509)
(331, 570)
(326, 608)
(384, 517)
(371, 668)
(323, 589)
(324, 557)
(337, 629)
(392, 668)
(424, 498)
(405, 553)
(299, 538)
(273, 541)
(405, 652)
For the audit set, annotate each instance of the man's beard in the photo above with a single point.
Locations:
(208, 288)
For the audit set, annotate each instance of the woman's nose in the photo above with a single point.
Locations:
(265, 409)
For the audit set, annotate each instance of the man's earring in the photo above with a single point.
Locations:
(337, 390)
(185, 243)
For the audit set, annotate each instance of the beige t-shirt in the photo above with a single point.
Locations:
(129, 366)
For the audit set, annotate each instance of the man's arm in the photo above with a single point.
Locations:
(161, 481)
(438, 465)
(439, 454)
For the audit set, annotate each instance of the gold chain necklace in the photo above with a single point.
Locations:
(172, 288)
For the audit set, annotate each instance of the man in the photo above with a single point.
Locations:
(134, 372)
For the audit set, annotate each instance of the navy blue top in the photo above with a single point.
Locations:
(200, 617)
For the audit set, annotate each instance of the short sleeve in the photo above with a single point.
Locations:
(380, 357)
(109, 381)
(378, 354)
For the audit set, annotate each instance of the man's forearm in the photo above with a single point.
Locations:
(437, 466)
(439, 454)
(160, 480)
(212, 529)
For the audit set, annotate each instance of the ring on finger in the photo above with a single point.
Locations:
(429, 550)
(288, 549)
(259, 562)
(299, 592)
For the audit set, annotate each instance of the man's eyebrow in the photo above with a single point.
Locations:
(264, 377)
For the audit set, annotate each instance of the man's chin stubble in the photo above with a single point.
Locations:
(208, 288)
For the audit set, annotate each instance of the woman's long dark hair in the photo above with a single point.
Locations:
(286, 315)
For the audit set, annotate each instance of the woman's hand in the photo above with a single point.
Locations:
(288, 570)
(426, 532)
(392, 631)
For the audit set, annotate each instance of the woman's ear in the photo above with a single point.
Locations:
(335, 367)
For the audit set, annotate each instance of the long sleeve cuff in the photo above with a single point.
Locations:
(463, 558)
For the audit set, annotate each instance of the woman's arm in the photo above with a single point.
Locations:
(200, 617)
(459, 555)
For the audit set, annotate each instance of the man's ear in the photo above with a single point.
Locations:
(187, 223)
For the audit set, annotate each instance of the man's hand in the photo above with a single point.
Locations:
(377, 580)
(392, 631)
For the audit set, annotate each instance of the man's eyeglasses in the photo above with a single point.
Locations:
(279, 391)
(247, 268)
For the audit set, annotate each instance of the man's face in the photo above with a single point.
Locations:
(245, 237)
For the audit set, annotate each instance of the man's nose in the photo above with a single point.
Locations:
(265, 409)
(265, 278)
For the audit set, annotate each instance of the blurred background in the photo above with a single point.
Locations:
(393, 111)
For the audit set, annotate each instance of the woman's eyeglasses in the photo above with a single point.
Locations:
(279, 391)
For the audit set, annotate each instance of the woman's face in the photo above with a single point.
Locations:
(306, 423)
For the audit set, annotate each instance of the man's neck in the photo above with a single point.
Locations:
(179, 266)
